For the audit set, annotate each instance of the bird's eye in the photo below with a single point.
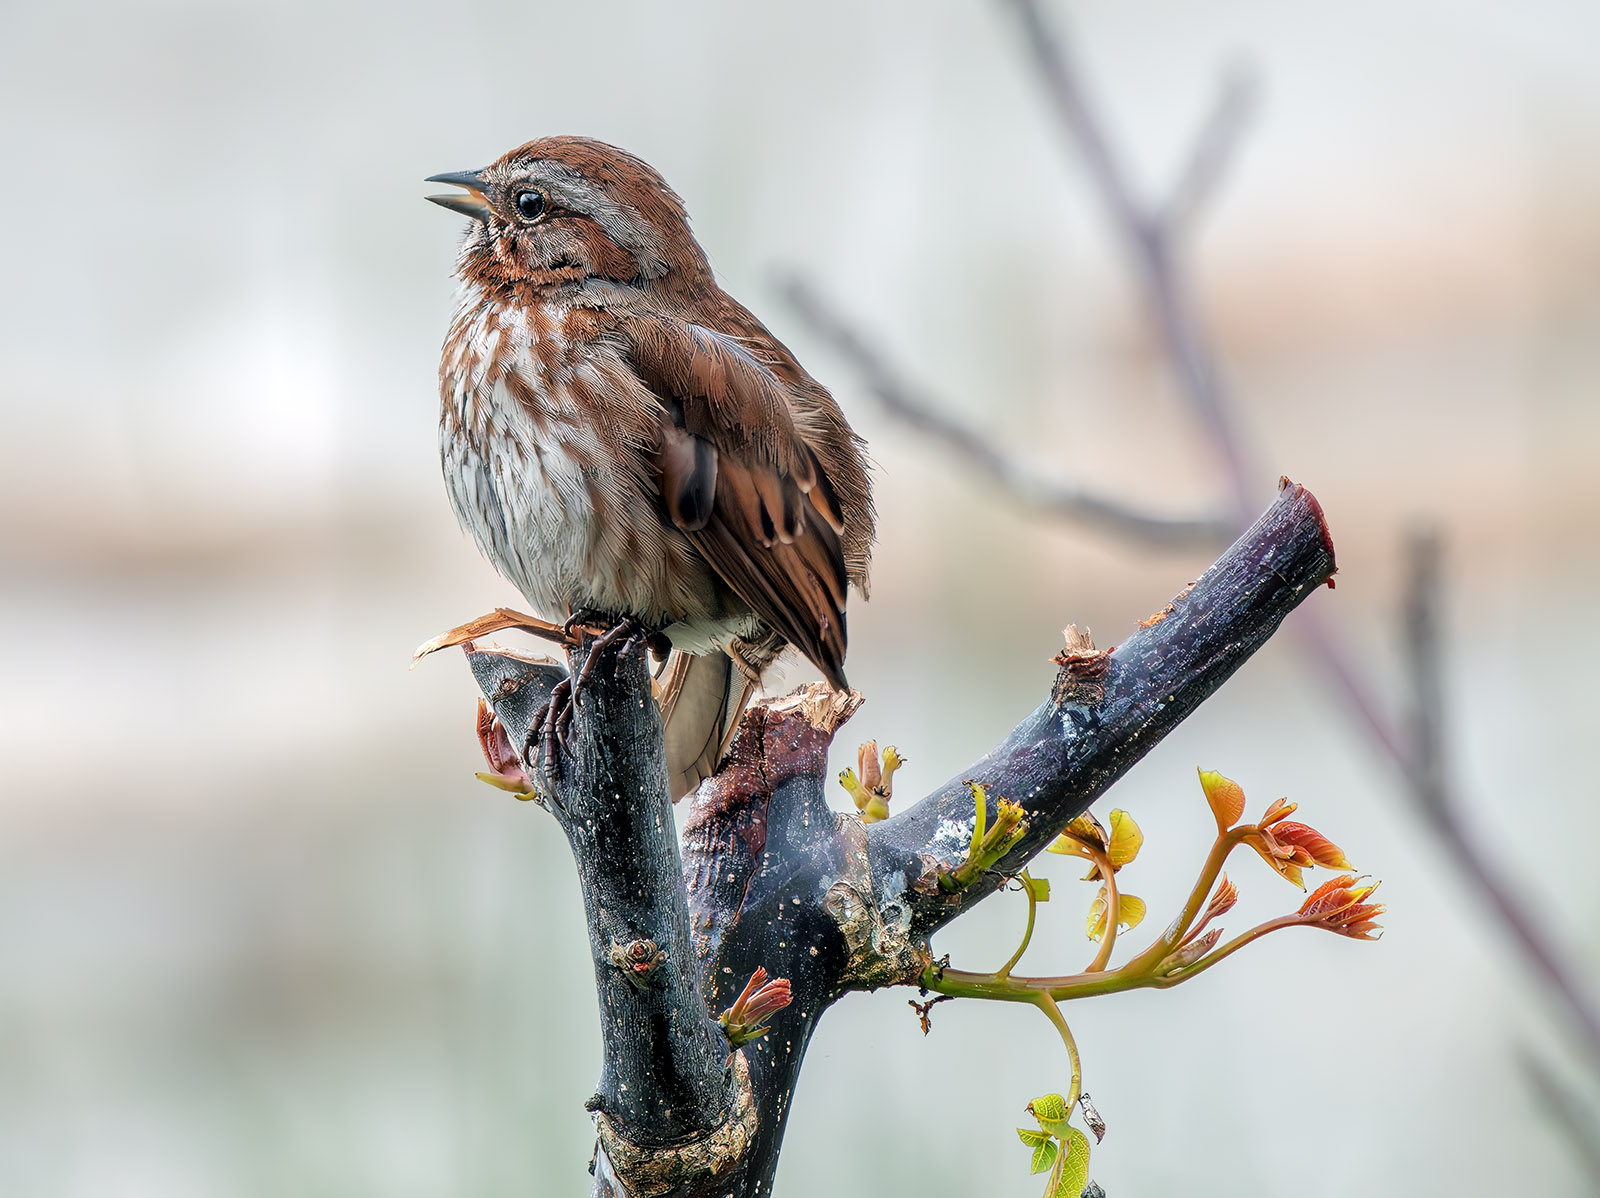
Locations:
(531, 204)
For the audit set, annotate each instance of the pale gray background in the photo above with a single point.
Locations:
(260, 931)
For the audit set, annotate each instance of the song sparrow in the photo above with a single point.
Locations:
(621, 436)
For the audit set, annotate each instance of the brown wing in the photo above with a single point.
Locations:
(738, 478)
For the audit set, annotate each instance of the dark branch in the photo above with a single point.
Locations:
(1068, 753)
(670, 1096)
(772, 878)
(1028, 490)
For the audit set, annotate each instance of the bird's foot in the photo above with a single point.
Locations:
(552, 723)
(620, 638)
(548, 730)
(586, 619)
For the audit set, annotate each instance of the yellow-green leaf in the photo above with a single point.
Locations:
(1130, 913)
(1225, 796)
(1066, 846)
(1048, 1106)
(1125, 839)
(1075, 1170)
(1044, 1156)
(1032, 1136)
(891, 762)
(1095, 925)
(859, 794)
(1038, 888)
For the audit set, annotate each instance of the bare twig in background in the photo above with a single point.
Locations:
(1213, 150)
(1059, 500)
(1148, 234)
(1430, 789)
(1148, 242)
(1575, 1118)
(1425, 666)
(1168, 296)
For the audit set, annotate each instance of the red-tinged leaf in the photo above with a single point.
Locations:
(505, 765)
(1222, 899)
(1317, 847)
(745, 1020)
(867, 767)
(1190, 952)
(1333, 895)
(1340, 907)
(1225, 796)
(1280, 857)
(1280, 809)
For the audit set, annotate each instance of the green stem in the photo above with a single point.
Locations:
(998, 839)
(1163, 945)
(959, 983)
(1227, 950)
(1027, 933)
(1045, 1003)
(1053, 1183)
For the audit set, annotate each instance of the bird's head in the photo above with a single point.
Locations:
(562, 209)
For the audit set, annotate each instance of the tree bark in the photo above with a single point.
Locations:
(771, 877)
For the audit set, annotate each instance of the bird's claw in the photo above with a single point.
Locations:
(548, 730)
(551, 727)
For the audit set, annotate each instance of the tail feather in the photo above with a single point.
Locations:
(702, 698)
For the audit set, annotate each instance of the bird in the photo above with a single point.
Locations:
(624, 439)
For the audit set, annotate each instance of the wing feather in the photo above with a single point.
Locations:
(741, 481)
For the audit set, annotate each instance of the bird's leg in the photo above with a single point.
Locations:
(586, 617)
(623, 636)
(549, 727)
(552, 723)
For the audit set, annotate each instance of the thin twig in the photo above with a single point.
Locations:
(1430, 789)
(1053, 499)
(1571, 1114)
(1424, 599)
(1145, 238)
(1213, 150)
(1148, 241)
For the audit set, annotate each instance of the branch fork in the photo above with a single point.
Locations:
(772, 881)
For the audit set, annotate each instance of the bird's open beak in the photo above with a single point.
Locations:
(471, 204)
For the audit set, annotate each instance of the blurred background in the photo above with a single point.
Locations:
(261, 933)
